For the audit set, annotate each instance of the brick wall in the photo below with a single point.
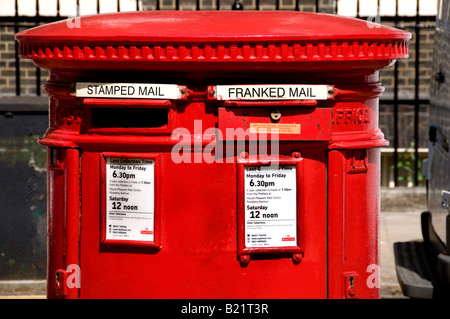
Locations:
(406, 82)
(305, 5)
(406, 68)
(8, 67)
(7, 61)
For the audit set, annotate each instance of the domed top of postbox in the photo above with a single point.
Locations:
(150, 38)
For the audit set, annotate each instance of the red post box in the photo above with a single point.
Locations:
(213, 154)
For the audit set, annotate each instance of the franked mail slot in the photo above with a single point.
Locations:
(309, 124)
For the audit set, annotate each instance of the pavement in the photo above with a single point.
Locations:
(396, 224)
(395, 227)
(399, 221)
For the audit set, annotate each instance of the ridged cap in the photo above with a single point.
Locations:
(150, 37)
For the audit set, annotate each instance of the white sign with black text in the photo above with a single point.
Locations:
(130, 199)
(272, 92)
(270, 206)
(128, 90)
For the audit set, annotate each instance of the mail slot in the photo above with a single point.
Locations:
(213, 154)
(129, 116)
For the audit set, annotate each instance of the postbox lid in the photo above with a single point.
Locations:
(213, 36)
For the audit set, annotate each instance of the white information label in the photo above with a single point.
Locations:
(130, 199)
(272, 92)
(128, 90)
(270, 206)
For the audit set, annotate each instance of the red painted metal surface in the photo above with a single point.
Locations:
(63, 219)
(311, 124)
(353, 205)
(55, 219)
(199, 249)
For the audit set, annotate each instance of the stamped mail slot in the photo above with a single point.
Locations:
(309, 124)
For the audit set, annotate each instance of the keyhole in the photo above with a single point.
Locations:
(275, 115)
(351, 288)
(57, 283)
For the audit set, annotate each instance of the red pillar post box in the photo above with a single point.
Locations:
(213, 154)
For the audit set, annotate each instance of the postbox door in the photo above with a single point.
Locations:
(193, 251)
(63, 217)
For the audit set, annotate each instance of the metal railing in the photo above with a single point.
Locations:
(413, 24)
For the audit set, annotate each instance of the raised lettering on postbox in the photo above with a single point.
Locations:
(345, 116)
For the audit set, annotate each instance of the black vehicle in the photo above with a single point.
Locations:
(423, 267)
